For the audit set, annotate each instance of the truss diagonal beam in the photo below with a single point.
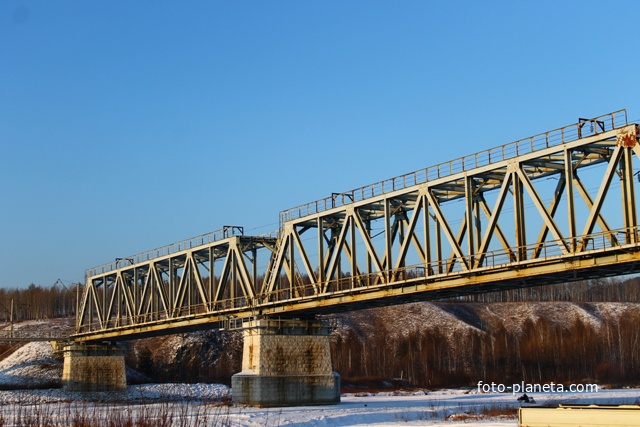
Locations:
(455, 247)
(602, 192)
(371, 252)
(546, 217)
(493, 219)
(305, 259)
(410, 234)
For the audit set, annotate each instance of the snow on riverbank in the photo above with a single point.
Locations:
(34, 364)
(439, 408)
(135, 394)
(193, 402)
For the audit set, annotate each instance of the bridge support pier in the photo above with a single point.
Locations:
(93, 368)
(286, 363)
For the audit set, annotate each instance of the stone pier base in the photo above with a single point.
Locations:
(93, 368)
(286, 363)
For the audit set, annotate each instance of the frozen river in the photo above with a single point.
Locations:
(199, 405)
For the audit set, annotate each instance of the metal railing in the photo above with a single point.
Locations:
(582, 129)
(193, 242)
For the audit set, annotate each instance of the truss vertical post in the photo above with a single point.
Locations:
(388, 237)
(426, 234)
(520, 228)
(135, 293)
(172, 285)
(628, 196)
(104, 302)
(254, 268)
(292, 262)
(91, 306)
(233, 278)
(469, 208)
(354, 259)
(212, 276)
(154, 291)
(190, 283)
(369, 260)
(321, 264)
(438, 230)
(401, 233)
(571, 209)
(478, 222)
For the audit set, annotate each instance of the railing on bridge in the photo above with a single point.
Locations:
(582, 129)
(193, 242)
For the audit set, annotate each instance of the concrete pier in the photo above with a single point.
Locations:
(93, 368)
(286, 363)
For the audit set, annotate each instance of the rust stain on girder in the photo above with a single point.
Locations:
(627, 136)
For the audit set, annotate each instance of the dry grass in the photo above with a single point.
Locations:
(74, 414)
(491, 411)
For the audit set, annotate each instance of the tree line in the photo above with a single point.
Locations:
(540, 352)
(37, 302)
(596, 290)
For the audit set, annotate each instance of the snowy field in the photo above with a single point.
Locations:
(439, 408)
(199, 405)
(182, 405)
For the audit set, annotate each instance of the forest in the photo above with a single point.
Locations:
(577, 332)
(540, 351)
(37, 302)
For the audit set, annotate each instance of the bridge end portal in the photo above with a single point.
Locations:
(286, 363)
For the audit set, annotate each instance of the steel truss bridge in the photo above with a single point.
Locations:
(31, 336)
(556, 207)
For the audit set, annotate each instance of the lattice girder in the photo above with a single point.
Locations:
(174, 286)
(415, 218)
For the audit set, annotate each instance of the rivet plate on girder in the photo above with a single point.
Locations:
(513, 167)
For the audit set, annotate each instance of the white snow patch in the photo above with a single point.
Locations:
(31, 365)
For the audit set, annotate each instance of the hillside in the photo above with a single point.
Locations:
(431, 344)
(459, 343)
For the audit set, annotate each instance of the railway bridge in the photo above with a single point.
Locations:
(555, 207)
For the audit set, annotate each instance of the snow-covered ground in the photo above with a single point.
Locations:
(198, 404)
(439, 408)
(34, 364)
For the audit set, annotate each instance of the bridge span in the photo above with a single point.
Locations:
(555, 207)
(536, 211)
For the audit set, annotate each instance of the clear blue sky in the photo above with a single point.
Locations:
(128, 125)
